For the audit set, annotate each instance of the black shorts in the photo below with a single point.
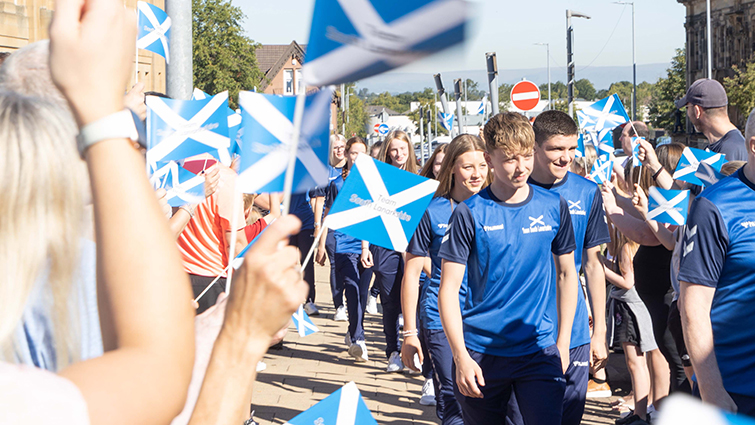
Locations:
(199, 283)
(625, 324)
(675, 327)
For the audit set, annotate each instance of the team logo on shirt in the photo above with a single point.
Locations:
(575, 208)
(442, 225)
(689, 233)
(492, 228)
(748, 224)
(537, 225)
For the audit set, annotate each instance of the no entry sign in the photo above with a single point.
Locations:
(377, 126)
(525, 95)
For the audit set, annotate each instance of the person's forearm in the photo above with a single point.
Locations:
(664, 180)
(628, 207)
(698, 337)
(596, 290)
(566, 284)
(662, 234)
(410, 290)
(632, 227)
(153, 335)
(450, 310)
(227, 386)
(318, 207)
(181, 219)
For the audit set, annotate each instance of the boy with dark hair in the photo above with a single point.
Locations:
(556, 144)
(516, 243)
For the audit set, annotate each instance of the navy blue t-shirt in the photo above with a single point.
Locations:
(511, 279)
(426, 243)
(717, 252)
(732, 145)
(590, 230)
(301, 208)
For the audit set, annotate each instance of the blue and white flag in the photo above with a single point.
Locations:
(179, 129)
(381, 204)
(580, 153)
(683, 409)
(154, 30)
(183, 186)
(303, 323)
(605, 143)
(668, 206)
(690, 162)
(604, 114)
(267, 130)
(446, 120)
(586, 122)
(343, 407)
(636, 151)
(355, 39)
(601, 169)
(708, 175)
(480, 109)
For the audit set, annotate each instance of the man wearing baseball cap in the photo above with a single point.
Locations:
(706, 102)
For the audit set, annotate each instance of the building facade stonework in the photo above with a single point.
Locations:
(23, 22)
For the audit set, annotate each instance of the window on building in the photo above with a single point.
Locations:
(288, 81)
(299, 82)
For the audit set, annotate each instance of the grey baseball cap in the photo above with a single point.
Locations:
(705, 93)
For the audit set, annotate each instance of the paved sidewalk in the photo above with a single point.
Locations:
(306, 370)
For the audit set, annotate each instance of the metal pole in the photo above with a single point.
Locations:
(421, 136)
(569, 65)
(634, 70)
(179, 73)
(493, 80)
(343, 110)
(429, 133)
(443, 101)
(435, 111)
(466, 105)
(548, 62)
(709, 37)
(459, 116)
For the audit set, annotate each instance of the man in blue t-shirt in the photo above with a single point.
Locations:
(717, 296)
(516, 243)
(555, 147)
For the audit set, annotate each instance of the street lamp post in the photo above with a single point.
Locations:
(548, 62)
(709, 37)
(570, 57)
(492, 65)
(634, 62)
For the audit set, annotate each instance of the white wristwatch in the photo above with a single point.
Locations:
(123, 124)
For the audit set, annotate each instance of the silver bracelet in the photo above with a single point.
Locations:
(185, 208)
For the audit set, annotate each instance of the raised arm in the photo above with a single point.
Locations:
(147, 329)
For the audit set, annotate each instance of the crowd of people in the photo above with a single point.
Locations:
(523, 273)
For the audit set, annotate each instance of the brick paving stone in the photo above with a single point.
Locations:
(306, 370)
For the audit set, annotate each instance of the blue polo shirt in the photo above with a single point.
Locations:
(590, 230)
(717, 252)
(345, 244)
(426, 243)
(511, 279)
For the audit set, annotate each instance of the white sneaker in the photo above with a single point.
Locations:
(371, 305)
(394, 363)
(341, 315)
(311, 309)
(358, 350)
(428, 393)
(261, 366)
(401, 321)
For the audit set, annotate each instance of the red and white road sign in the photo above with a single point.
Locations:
(376, 127)
(525, 95)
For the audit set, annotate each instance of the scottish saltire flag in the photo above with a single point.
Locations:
(380, 204)
(179, 129)
(480, 109)
(604, 114)
(183, 186)
(708, 175)
(601, 169)
(343, 407)
(303, 323)
(605, 143)
(234, 123)
(690, 162)
(154, 30)
(267, 126)
(580, 153)
(636, 150)
(239, 259)
(586, 122)
(446, 120)
(668, 206)
(355, 39)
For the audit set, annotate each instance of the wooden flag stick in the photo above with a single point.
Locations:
(234, 233)
(288, 183)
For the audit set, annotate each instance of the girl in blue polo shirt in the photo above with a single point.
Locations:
(462, 174)
(515, 242)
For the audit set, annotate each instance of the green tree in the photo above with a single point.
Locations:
(223, 56)
(741, 89)
(624, 90)
(473, 90)
(387, 100)
(662, 110)
(357, 122)
(558, 90)
(504, 96)
(585, 89)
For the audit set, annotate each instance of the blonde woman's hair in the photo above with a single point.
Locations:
(510, 132)
(731, 167)
(583, 166)
(331, 156)
(42, 183)
(411, 161)
(427, 170)
(459, 146)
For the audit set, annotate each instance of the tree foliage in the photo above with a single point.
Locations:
(504, 96)
(741, 89)
(585, 89)
(356, 124)
(223, 56)
(662, 111)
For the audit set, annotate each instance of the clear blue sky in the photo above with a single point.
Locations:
(510, 27)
